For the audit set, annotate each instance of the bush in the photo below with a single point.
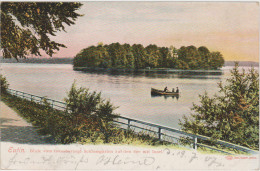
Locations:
(66, 128)
(81, 102)
(4, 84)
(233, 115)
(90, 110)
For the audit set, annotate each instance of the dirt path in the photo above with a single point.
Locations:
(15, 129)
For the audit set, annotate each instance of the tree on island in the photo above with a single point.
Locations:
(233, 115)
(137, 56)
(26, 26)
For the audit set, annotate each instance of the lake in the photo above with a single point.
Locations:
(131, 92)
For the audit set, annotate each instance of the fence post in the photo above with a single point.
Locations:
(31, 98)
(159, 133)
(195, 140)
(128, 126)
(52, 103)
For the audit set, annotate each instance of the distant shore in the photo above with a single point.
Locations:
(39, 60)
(242, 63)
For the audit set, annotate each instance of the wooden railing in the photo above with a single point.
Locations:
(163, 133)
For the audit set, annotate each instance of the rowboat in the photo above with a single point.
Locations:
(161, 92)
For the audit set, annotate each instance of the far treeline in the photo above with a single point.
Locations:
(137, 56)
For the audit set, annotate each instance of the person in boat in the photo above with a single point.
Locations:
(177, 90)
(173, 90)
(165, 89)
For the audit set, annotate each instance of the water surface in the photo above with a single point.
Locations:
(131, 92)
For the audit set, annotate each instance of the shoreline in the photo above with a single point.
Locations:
(165, 70)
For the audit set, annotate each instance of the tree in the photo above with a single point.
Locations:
(103, 57)
(129, 56)
(26, 26)
(233, 115)
(193, 57)
(117, 54)
(182, 53)
(203, 50)
(165, 54)
(216, 60)
(139, 55)
(153, 55)
(180, 64)
(4, 84)
(204, 53)
(88, 57)
(80, 59)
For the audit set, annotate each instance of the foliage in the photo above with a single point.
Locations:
(215, 60)
(4, 84)
(82, 102)
(62, 128)
(137, 56)
(26, 27)
(84, 105)
(233, 115)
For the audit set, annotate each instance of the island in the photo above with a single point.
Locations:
(136, 56)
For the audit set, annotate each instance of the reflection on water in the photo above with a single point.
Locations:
(166, 96)
(158, 74)
(130, 91)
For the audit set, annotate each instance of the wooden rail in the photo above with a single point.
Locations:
(163, 133)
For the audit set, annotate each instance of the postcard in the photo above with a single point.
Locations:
(120, 85)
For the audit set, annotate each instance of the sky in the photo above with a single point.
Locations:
(231, 28)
